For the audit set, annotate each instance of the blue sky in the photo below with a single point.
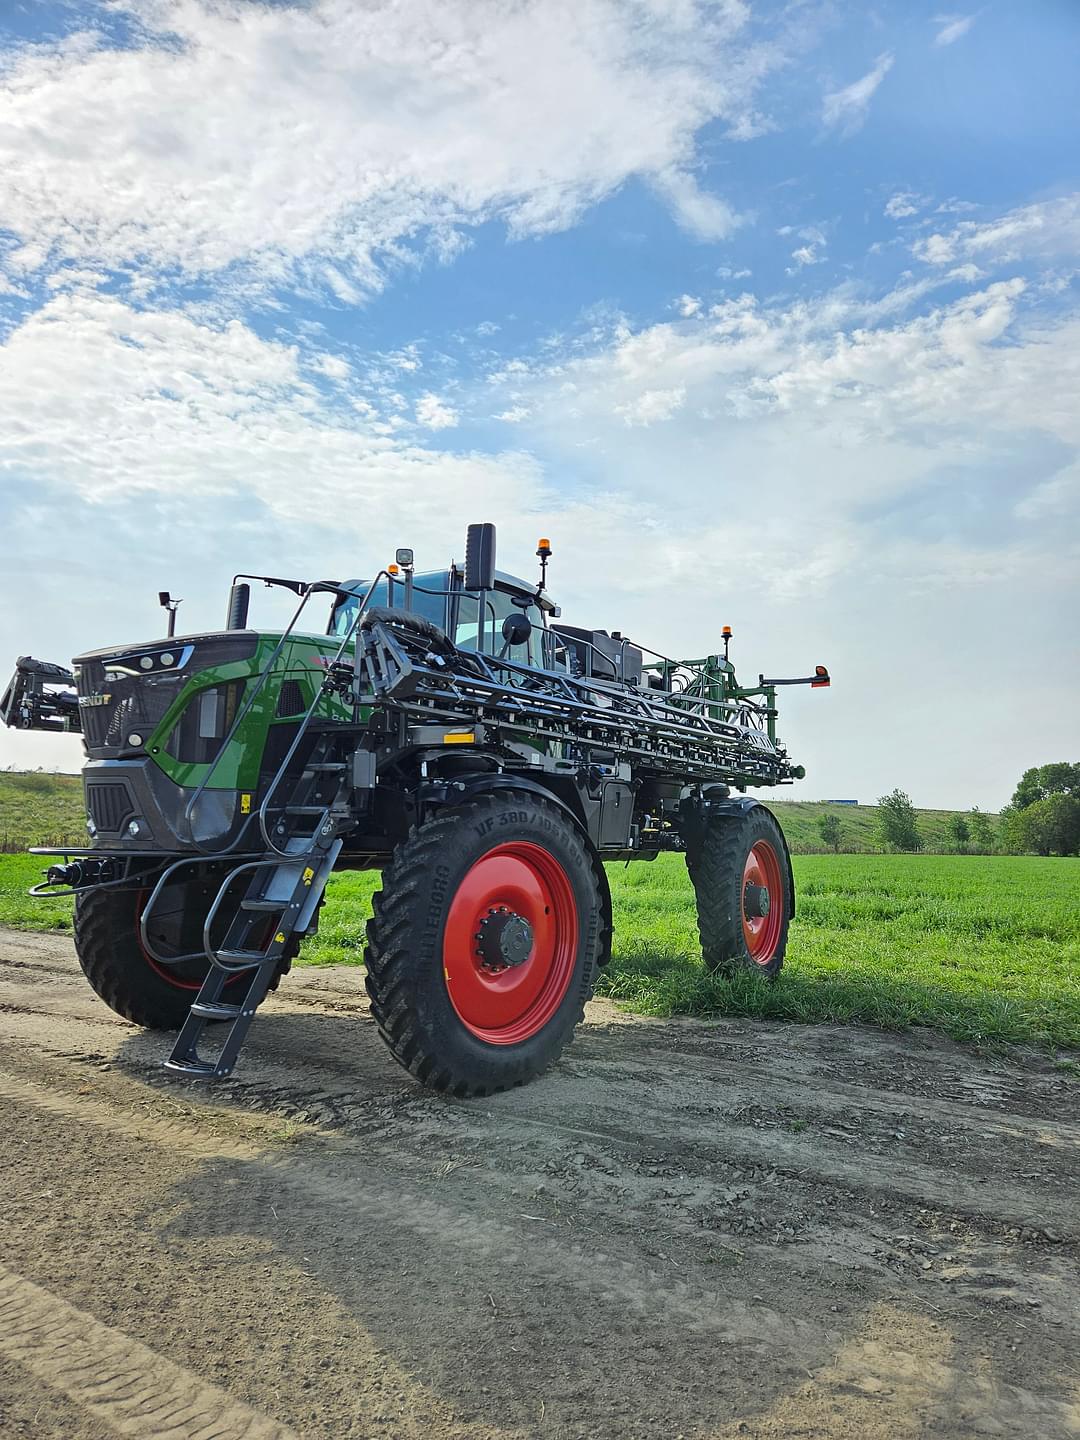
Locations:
(767, 314)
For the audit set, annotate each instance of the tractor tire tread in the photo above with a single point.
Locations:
(714, 864)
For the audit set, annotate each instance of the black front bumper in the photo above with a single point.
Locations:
(134, 807)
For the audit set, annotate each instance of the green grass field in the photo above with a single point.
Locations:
(986, 949)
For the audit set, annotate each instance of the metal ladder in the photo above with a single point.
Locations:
(280, 899)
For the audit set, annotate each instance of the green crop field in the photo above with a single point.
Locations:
(986, 949)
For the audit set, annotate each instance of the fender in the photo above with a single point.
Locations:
(734, 805)
(467, 786)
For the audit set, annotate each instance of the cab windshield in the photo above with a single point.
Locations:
(428, 602)
(430, 606)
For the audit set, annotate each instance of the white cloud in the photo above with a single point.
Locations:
(1048, 229)
(953, 28)
(688, 305)
(652, 406)
(330, 139)
(705, 216)
(846, 110)
(935, 250)
(845, 361)
(332, 366)
(435, 414)
(106, 401)
(903, 204)
(514, 415)
(806, 255)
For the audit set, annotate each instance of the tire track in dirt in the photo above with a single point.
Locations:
(132, 1389)
(750, 1082)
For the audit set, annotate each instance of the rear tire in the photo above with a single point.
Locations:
(739, 867)
(484, 943)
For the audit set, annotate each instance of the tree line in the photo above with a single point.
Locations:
(1042, 818)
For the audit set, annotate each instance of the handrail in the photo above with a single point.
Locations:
(211, 915)
(144, 914)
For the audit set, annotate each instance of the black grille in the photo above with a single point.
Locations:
(291, 699)
(108, 804)
(113, 707)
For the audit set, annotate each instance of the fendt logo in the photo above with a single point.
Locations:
(95, 699)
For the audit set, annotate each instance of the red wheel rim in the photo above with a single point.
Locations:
(516, 882)
(762, 872)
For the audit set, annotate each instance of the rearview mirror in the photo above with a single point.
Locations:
(516, 629)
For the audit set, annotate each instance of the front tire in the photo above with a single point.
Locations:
(484, 943)
(127, 978)
(745, 892)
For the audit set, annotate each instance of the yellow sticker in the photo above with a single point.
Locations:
(459, 737)
(309, 875)
(279, 938)
(245, 804)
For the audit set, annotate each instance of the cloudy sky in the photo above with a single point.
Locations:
(766, 313)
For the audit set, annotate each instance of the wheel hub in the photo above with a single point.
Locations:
(504, 939)
(755, 902)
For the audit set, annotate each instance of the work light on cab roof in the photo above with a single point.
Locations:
(445, 727)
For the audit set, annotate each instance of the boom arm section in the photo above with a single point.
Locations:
(40, 696)
(407, 669)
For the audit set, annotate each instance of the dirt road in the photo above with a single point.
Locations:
(734, 1229)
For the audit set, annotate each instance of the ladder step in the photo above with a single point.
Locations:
(195, 1068)
(328, 766)
(267, 907)
(256, 957)
(214, 1010)
(304, 809)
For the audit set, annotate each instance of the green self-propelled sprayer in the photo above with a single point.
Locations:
(446, 729)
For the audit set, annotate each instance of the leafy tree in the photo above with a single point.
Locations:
(1042, 781)
(1050, 826)
(897, 824)
(981, 829)
(1044, 816)
(957, 832)
(830, 830)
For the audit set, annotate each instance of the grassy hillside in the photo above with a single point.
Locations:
(40, 809)
(799, 819)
